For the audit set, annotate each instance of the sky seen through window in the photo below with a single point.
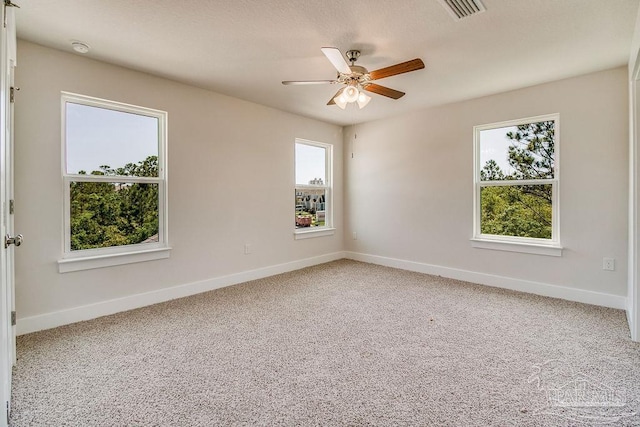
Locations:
(99, 136)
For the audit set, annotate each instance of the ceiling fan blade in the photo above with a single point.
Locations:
(382, 90)
(331, 101)
(309, 82)
(334, 55)
(404, 67)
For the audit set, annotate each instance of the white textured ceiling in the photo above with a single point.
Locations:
(245, 48)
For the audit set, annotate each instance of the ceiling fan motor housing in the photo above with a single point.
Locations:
(359, 75)
(358, 70)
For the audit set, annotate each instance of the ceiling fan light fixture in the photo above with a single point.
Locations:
(363, 100)
(340, 101)
(351, 93)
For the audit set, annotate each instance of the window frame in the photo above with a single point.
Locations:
(327, 229)
(115, 255)
(551, 247)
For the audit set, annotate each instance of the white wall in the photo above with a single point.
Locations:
(410, 187)
(231, 182)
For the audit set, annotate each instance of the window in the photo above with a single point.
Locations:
(516, 185)
(313, 189)
(114, 174)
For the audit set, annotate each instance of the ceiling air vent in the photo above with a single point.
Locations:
(462, 8)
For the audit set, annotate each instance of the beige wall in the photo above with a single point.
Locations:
(410, 184)
(231, 182)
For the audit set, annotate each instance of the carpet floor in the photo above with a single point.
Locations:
(344, 343)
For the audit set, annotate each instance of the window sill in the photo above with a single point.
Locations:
(308, 234)
(99, 261)
(527, 248)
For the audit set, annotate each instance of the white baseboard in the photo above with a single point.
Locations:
(77, 314)
(544, 289)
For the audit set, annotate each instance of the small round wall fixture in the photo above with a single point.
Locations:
(80, 47)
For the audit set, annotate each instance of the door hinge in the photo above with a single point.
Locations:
(13, 318)
(11, 206)
(7, 402)
(12, 93)
(7, 3)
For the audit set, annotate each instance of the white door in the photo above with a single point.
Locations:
(7, 239)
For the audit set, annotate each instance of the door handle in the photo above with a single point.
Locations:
(8, 240)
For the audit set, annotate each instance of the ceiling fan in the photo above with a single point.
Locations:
(358, 79)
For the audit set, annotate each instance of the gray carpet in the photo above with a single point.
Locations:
(344, 343)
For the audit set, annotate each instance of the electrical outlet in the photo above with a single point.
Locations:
(355, 236)
(608, 264)
(247, 249)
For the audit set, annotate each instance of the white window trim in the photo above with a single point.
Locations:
(551, 247)
(99, 261)
(318, 232)
(537, 248)
(116, 255)
(327, 229)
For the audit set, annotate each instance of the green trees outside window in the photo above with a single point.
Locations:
(105, 214)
